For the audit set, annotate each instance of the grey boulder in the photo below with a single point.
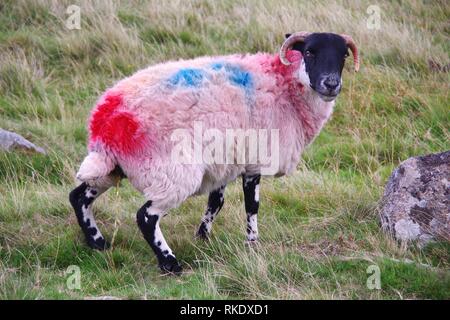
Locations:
(416, 203)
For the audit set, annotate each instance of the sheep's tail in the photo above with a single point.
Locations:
(96, 165)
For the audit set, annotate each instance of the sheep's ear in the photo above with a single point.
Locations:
(298, 46)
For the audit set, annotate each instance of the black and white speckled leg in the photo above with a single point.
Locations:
(251, 196)
(148, 218)
(215, 203)
(81, 199)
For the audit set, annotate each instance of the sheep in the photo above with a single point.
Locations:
(131, 129)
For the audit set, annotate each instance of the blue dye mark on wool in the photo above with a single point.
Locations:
(187, 77)
(217, 66)
(236, 75)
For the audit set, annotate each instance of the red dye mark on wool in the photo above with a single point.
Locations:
(115, 127)
(294, 57)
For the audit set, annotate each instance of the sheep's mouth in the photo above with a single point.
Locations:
(327, 97)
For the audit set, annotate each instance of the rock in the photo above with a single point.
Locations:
(10, 140)
(416, 201)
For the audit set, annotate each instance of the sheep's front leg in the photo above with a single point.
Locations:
(148, 219)
(251, 197)
(215, 203)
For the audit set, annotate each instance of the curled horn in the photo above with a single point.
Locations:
(351, 44)
(289, 42)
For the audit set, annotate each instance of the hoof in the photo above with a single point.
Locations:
(202, 232)
(202, 235)
(252, 243)
(170, 265)
(100, 244)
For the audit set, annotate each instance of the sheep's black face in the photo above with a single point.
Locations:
(323, 60)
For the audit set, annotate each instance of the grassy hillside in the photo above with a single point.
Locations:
(319, 228)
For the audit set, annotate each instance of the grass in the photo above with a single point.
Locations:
(319, 228)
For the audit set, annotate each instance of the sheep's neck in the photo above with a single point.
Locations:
(310, 111)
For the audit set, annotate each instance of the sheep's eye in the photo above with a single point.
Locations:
(346, 56)
(308, 54)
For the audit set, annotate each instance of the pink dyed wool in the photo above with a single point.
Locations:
(132, 124)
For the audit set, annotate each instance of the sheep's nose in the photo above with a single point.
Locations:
(331, 83)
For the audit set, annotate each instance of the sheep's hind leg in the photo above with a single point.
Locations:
(215, 203)
(81, 199)
(148, 218)
(251, 197)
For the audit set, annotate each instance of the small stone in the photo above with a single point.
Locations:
(10, 140)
